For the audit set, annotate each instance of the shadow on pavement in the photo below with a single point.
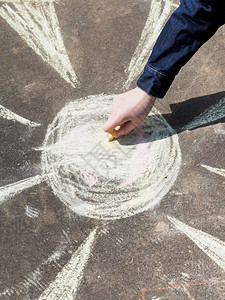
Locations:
(188, 115)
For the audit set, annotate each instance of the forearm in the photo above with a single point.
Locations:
(188, 28)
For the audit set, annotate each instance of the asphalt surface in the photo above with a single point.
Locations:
(145, 255)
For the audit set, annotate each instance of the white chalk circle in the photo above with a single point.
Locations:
(105, 180)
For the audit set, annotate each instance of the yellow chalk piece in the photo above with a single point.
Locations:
(111, 137)
(113, 133)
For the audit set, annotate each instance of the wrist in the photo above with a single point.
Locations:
(145, 94)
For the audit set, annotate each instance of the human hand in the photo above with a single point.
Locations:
(128, 111)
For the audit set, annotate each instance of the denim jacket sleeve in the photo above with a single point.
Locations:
(188, 28)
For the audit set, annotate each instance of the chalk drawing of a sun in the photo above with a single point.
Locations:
(92, 177)
(65, 153)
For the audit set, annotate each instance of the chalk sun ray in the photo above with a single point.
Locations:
(68, 279)
(9, 115)
(37, 23)
(159, 12)
(11, 190)
(210, 245)
(215, 170)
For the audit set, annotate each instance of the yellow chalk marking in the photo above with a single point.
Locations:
(113, 133)
(107, 146)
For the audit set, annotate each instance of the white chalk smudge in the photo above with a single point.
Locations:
(68, 279)
(186, 276)
(9, 115)
(159, 12)
(75, 142)
(29, 86)
(57, 254)
(219, 129)
(104, 230)
(215, 170)
(36, 22)
(11, 190)
(35, 278)
(31, 280)
(212, 246)
(119, 241)
(214, 113)
(31, 212)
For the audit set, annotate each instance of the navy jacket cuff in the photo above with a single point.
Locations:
(154, 83)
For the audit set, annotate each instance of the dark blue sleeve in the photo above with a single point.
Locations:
(188, 28)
